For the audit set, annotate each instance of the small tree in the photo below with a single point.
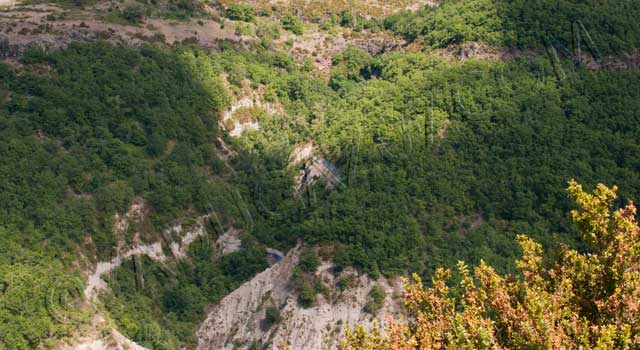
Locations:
(309, 261)
(582, 301)
(241, 12)
(376, 300)
(292, 23)
(346, 18)
(272, 316)
(134, 14)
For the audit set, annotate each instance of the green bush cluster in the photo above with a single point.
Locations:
(293, 24)
(309, 261)
(241, 12)
(376, 300)
(304, 280)
(272, 316)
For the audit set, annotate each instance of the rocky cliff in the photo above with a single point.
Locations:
(239, 320)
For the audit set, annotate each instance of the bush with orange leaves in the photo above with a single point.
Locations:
(580, 301)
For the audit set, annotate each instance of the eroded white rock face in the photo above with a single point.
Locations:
(238, 320)
(316, 168)
(230, 241)
(322, 326)
(301, 153)
(179, 249)
(239, 314)
(249, 98)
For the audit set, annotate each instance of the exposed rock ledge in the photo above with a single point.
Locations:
(238, 320)
(153, 251)
(316, 168)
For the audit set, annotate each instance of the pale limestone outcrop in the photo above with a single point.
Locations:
(322, 326)
(238, 320)
(229, 242)
(249, 98)
(239, 314)
(316, 168)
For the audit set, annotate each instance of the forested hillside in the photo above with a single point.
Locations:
(602, 27)
(438, 157)
(578, 300)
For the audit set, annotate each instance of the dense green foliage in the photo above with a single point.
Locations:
(452, 22)
(608, 27)
(292, 24)
(109, 124)
(241, 12)
(442, 161)
(34, 295)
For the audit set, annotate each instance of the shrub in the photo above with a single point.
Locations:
(376, 300)
(272, 316)
(309, 261)
(346, 282)
(346, 18)
(133, 14)
(241, 12)
(292, 24)
(243, 29)
(307, 296)
(305, 285)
